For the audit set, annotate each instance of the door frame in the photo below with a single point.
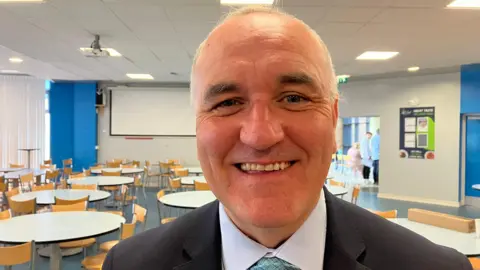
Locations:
(474, 201)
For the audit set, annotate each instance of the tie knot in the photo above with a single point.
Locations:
(273, 263)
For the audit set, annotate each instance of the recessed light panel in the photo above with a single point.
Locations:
(377, 55)
(15, 60)
(247, 2)
(464, 4)
(140, 76)
(413, 69)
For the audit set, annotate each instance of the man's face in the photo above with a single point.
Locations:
(265, 123)
(369, 136)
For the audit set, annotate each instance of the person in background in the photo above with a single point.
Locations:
(355, 162)
(366, 155)
(375, 146)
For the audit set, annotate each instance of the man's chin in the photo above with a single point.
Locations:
(267, 215)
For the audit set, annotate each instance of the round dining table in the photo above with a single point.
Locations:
(56, 227)
(196, 199)
(123, 170)
(102, 180)
(189, 180)
(47, 197)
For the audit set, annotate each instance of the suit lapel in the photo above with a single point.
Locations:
(203, 245)
(344, 245)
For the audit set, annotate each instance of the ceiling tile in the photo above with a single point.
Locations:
(350, 15)
(310, 15)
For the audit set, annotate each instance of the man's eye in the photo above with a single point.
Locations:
(227, 103)
(294, 99)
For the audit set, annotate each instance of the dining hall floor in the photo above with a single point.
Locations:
(367, 198)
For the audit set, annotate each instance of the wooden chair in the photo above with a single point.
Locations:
(26, 180)
(201, 186)
(140, 214)
(47, 162)
(136, 163)
(23, 208)
(164, 220)
(175, 183)
(80, 206)
(173, 161)
(96, 261)
(124, 198)
(167, 220)
(84, 186)
(67, 163)
(96, 167)
(16, 166)
(128, 166)
(3, 189)
(475, 262)
(60, 201)
(180, 172)
(49, 186)
(163, 174)
(332, 182)
(116, 173)
(7, 214)
(386, 214)
(52, 176)
(77, 175)
(87, 172)
(66, 172)
(113, 164)
(45, 166)
(19, 254)
(355, 193)
(72, 206)
(119, 160)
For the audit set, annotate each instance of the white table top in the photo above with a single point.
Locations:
(188, 199)
(197, 170)
(55, 227)
(16, 174)
(124, 170)
(6, 170)
(103, 180)
(48, 196)
(465, 243)
(336, 190)
(195, 199)
(189, 180)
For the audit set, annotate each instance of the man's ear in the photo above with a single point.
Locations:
(335, 122)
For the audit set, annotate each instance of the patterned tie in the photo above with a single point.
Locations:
(272, 263)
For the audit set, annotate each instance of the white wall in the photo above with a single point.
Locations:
(434, 181)
(158, 149)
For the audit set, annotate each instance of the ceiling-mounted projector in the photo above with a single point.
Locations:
(95, 49)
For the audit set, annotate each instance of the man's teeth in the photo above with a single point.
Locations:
(265, 167)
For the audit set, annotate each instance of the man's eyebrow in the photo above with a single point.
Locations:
(296, 78)
(218, 89)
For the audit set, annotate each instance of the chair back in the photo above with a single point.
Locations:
(116, 173)
(78, 175)
(118, 160)
(332, 182)
(47, 162)
(355, 193)
(49, 186)
(26, 178)
(167, 220)
(201, 186)
(136, 163)
(181, 172)
(3, 186)
(79, 206)
(12, 192)
(130, 166)
(52, 175)
(60, 201)
(175, 183)
(113, 164)
(386, 214)
(19, 254)
(128, 229)
(23, 208)
(16, 166)
(87, 172)
(7, 214)
(96, 167)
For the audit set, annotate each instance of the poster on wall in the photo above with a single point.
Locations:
(417, 133)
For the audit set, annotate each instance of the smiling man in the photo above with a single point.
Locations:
(266, 103)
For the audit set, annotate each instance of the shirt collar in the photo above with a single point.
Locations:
(304, 249)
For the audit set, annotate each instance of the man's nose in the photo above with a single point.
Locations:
(261, 129)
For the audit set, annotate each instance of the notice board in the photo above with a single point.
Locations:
(417, 133)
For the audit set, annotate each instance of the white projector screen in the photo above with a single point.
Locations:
(151, 112)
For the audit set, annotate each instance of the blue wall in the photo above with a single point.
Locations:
(470, 89)
(73, 123)
(470, 104)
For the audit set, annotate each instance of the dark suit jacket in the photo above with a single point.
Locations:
(356, 239)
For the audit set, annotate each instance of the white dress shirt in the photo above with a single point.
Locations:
(304, 249)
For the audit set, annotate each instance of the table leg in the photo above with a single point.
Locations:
(28, 162)
(55, 257)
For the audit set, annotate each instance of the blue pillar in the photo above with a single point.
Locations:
(73, 123)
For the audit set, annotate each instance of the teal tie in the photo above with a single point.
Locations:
(272, 263)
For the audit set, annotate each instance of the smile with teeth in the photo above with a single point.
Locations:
(277, 166)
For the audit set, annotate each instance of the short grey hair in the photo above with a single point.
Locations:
(331, 83)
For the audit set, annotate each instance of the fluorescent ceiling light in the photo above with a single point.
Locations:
(345, 76)
(413, 69)
(376, 55)
(15, 60)
(464, 4)
(111, 51)
(140, 76)
(8, 71)
(247, 2)
(22, 1)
